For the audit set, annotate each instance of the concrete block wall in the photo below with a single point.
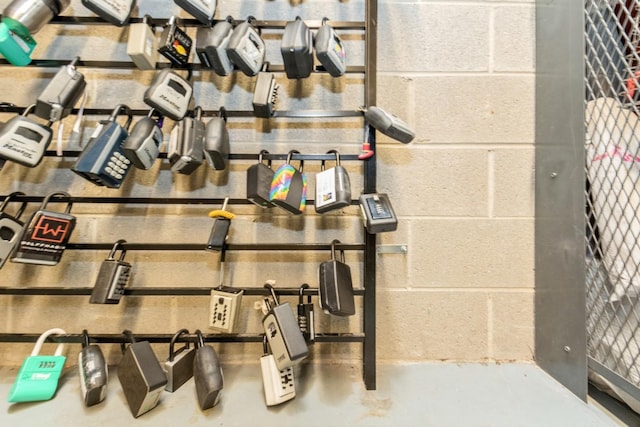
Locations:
(460, 73)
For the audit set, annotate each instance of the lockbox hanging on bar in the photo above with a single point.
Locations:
(211, 46)
(306, 320)
(246, 49)
(202, 10)
(377, 213)
(279, 385)
(175, 44)
(141, 376)
(10, 227)
(333, 187)
(179, 365)
(116, 12)
(283, 333)
(38, 377)
(265, 93)
(93, 372)
(186, 144)
(142, 44)
(330, 50)
(142, 146)
(207, 374)
(289, 187)
(169, 93)
(388, 124)
(45, 235)
(297, 49)
(112, 277)
(216, 141)
(103, 161)
(336, 288)
(259, 178)
(23, 140)
(61, 93)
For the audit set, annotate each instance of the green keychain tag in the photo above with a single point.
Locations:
(16, 45)
(38, 377)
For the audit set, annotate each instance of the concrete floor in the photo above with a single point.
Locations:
(425, 394)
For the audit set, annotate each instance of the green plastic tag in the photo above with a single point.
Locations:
(37, 379)
(15, 42)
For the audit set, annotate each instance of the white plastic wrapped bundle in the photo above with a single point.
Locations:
(613, 169)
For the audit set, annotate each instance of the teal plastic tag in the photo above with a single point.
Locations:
(37, 379)
(16, 45)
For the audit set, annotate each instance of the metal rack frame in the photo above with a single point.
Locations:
(368, 292)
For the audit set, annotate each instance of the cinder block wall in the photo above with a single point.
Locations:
(460, 73)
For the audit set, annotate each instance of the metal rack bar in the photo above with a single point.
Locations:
(141, 200)
(139, 291)
(125, 65)
(305, 157)
(294, 114)
(229, 247)
(370, 171)
(165, 338)
(188, 22)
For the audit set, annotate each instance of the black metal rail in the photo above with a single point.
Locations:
(165, 338)
(7, 107)
(140, 291)
(188, 22)
(126, 65)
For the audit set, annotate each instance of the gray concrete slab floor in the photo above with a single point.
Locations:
(328, 395)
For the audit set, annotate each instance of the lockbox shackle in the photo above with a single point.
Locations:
(49, 196)
(260, 154)
(289, 157)
(222, 113)
(197, 113)
(116, 112)
(172, 343)
(129, 336)
(28, 110)
(85, 338)
(333, 250)
(301, 294)
(41, 339)
(7, 199)
(273, 292)
(199, 338)
(116, 245)
(337, 159)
